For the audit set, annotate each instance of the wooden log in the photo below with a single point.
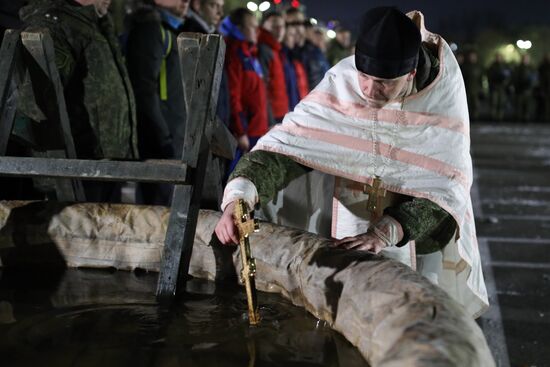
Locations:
(392, 314)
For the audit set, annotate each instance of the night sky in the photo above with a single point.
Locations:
(443, 16)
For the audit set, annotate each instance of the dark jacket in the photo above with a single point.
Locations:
(544, 76)
(161, 118)
(269, 52)
(524, 78)
(290, 79)
(194, 23)
(315, 62)
(498, 75)
(247, 89)
(97, 90)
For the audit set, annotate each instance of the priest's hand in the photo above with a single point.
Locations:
(226, 230)
(365, 242)
(386, 232)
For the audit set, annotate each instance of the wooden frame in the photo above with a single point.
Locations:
(201, 60)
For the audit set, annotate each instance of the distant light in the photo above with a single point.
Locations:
(264, 6)
(313, 21)
(453, 46)
(252, 6)
(277, 2)
(524, 45)
(331, 24)
(331, 34)
(295, 3)
(509, 48)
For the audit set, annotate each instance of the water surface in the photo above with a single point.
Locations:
(111, 318)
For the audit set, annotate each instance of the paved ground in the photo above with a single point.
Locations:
(511, 196)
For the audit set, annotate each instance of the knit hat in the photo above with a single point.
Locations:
(388, 43)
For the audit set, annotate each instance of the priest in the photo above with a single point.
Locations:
(390, 127)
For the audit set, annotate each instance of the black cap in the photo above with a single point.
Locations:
(388, 43)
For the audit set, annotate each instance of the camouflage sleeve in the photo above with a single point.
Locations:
(269, 172)
(424, 222)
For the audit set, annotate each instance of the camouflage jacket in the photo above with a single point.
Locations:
(422, 220)
(97, 90)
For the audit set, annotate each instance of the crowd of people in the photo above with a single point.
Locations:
(507, 92)
(124, 91)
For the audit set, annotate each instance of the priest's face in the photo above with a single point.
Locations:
(379, 92)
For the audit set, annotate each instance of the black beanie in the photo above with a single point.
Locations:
(388, 43)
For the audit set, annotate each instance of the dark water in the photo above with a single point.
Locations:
(107, 318)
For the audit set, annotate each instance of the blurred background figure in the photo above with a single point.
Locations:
(310, 55)
(318, 37)
(204, 16)
(472, 73)
(154, 68)
(460, 59)
(340, 47)
(313, 53)
(295, 74)
(249, 118)
(524, 81)
(270, 55)
(544, 87)
(498, 76)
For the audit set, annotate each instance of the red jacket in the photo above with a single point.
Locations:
(247, 93)
(270, 58)
(301, 78)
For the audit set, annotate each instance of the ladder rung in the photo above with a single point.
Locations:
(161, 171)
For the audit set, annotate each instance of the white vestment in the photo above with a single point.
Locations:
(418, 147)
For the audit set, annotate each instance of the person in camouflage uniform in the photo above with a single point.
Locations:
(99, 99)
(524, 79)
(97, 90)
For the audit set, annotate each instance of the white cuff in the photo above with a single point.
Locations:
(240, 188)
(387, 230)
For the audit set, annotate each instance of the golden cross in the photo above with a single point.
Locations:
(247, 224)
(376, 193)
